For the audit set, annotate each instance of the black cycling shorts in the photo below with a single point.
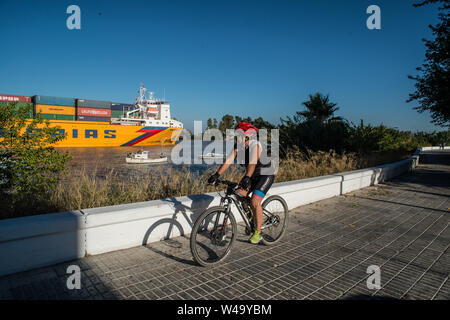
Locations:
(260, 185)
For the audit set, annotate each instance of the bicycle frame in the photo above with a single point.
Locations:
(232, 197)
(226, 202)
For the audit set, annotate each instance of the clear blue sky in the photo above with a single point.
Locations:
(247, 58)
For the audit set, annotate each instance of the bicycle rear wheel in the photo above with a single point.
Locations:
(212, 236)
(275, 219)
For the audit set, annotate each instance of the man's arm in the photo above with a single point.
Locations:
(228, 162)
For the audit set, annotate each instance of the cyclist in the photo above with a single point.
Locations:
(258, 176)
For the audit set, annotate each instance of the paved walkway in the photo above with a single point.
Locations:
(401, 226)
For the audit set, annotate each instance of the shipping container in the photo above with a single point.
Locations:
(93, 112)
(50, 109)
(116, 114)
(47, 116)
(93, 104)
(54, 101)
(121, 106)
(14, 98)
(98, 119)
(21, 105)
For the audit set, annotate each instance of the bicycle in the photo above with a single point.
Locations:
(214, 232)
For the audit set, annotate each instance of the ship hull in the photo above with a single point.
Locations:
(101, 134)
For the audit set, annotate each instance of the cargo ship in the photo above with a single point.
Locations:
(94, 123)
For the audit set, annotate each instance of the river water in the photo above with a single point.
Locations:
(100, 160)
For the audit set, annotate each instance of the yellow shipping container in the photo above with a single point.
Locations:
(43, 108)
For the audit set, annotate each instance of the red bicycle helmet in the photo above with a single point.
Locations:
(246, 129)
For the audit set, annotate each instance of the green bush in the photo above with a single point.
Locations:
(29, 165)
(367, 138)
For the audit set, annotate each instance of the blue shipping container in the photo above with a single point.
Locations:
(93, 104)
(121, 106)
(54, 101)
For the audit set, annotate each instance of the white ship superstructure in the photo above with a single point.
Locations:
(149, 112)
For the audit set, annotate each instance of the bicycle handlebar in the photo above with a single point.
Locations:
(232, 185)
(226, 182)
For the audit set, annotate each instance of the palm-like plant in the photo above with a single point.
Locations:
(319, 108)
(315, 128)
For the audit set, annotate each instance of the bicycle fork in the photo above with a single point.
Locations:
(222, 227)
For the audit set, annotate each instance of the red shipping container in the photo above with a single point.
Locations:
(92, 112)
(13, 98)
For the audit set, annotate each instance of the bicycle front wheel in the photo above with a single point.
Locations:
(275, 219)
(212, 236)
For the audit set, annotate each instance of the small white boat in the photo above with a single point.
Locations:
(142, 157)
(211, 155)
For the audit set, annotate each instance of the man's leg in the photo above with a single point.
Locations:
(260, 188)
(255, 203)
(242, 192)
(257, 209)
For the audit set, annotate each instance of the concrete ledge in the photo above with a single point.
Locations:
(434, 148)
(130, 225)
(304, 191)
(354, 180)
(36, 241)
(42, 240)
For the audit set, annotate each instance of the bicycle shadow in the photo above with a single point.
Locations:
(174, 224)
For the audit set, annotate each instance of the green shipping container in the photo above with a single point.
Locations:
(116, 114)
(21, 105)
(48, 116)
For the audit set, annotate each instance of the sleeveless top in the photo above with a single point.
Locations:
(263, 162)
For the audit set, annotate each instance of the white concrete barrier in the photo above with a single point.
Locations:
(354, 180)
(42, 240)
(36, 241)
(434, 148)
(134, 224)
(301, 192)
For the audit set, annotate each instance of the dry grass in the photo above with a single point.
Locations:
(85, 190)
(298, 165)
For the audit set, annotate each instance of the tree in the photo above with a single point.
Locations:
(30, 166)
(319, 107)
(260, 123)
(431, 87)
(227, 122)
(238, 119)
(315, 128)
(209, 124)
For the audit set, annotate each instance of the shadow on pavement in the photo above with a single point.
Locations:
(402, 204)
(435, 157)
(172, 256)
(190, 213)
